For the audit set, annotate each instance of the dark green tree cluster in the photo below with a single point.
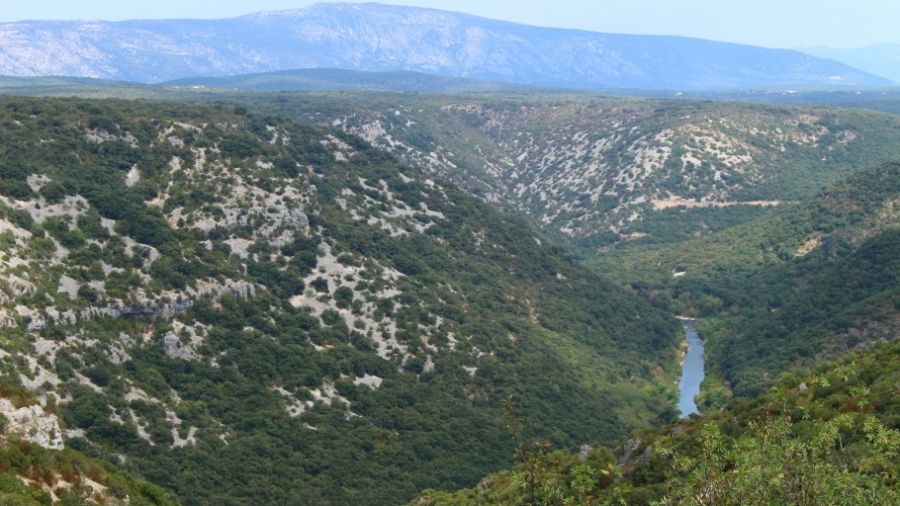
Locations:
(825, 436)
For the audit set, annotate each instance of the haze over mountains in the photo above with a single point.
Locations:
(376, 37)
(880, 59)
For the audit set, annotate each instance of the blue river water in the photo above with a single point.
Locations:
(691, 372)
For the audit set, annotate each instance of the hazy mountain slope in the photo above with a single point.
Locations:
(879, 59)
(252, 311)
(383, 37)
(811, 280)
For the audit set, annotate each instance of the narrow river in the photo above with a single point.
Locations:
(691, 372)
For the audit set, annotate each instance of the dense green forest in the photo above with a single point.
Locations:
(807, 282)
(828, 435)
(251, 311)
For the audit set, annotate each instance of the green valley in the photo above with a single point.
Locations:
(821, 436)
(253, 311)
(807, 282)
(331, 298)
(361, 254)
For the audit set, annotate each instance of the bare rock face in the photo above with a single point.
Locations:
(630, 446)
(182, 342)
(32, 424)
(584, 452)
(174, 348)
(167, 310)
(144, 308)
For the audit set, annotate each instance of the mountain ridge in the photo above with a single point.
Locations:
(378, 37)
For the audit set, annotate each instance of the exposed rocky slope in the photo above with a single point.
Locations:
(250, 311)
(590, 169)
(383, 37)
(38, 470)
(599, 171)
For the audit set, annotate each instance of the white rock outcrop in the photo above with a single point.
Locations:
(32, 424)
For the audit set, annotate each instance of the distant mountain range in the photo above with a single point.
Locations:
(374, 37)
(879, 59)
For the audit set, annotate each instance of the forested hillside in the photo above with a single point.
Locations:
(810, 281)
(591, 171)
(823, 436)
(36, 470)
(320, 79)
(250, 311)
(247, 292)
(588, 170)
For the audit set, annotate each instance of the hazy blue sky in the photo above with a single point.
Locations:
(771, 23)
